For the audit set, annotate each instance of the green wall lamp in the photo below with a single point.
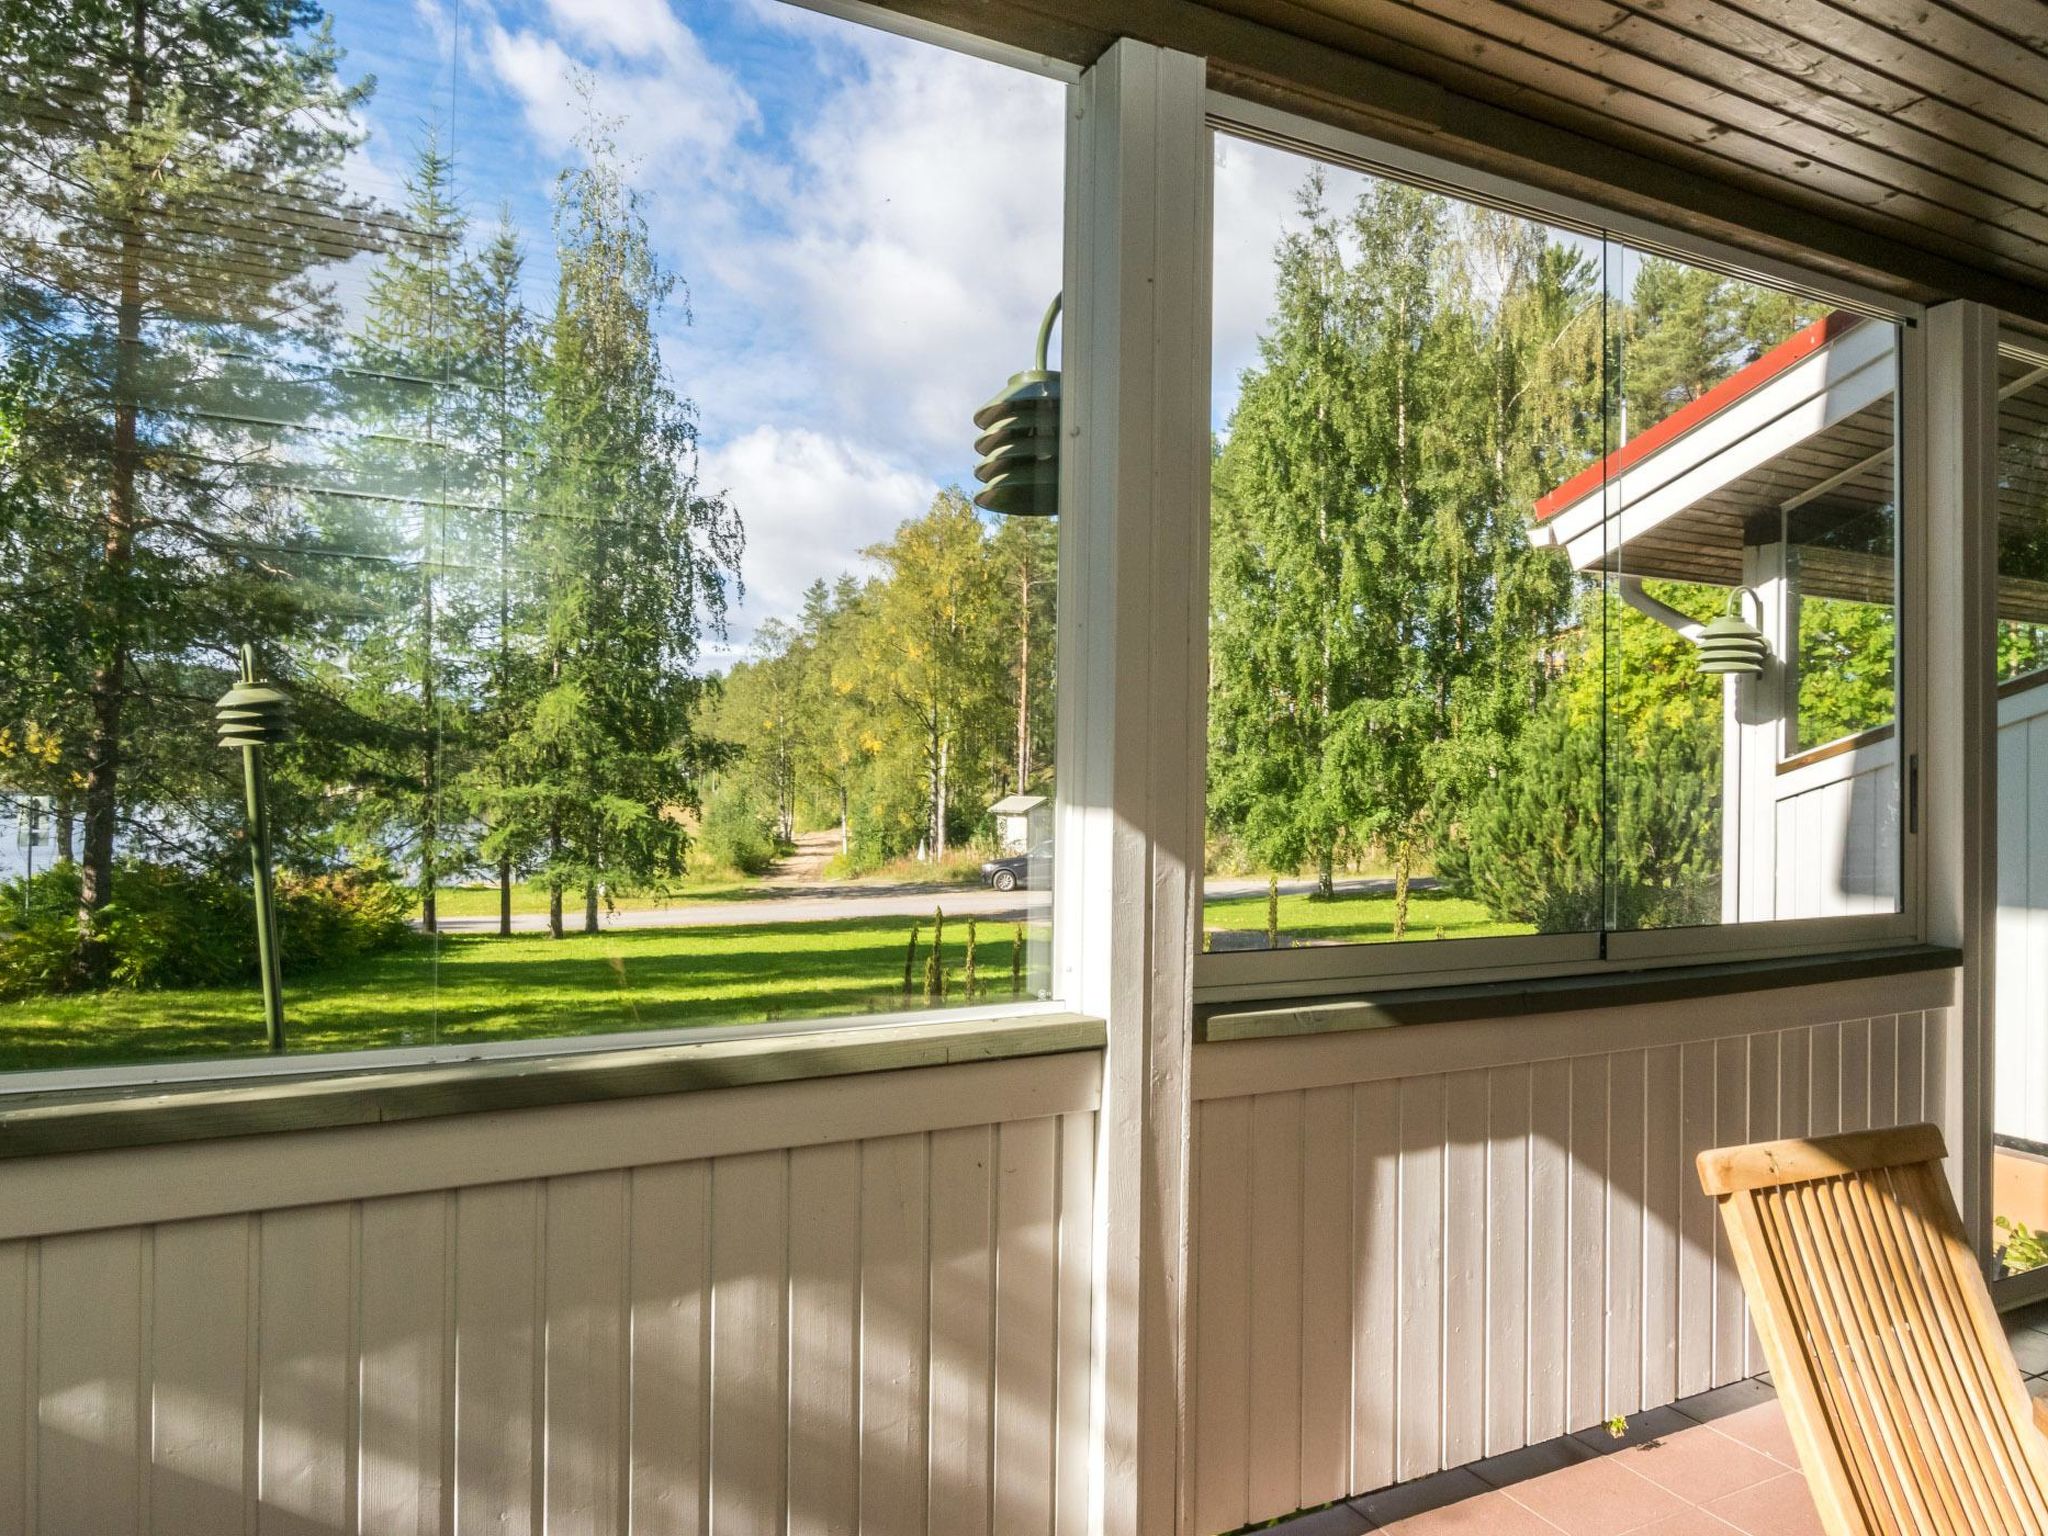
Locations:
(1732, 646)
(1020, 438)
(252, 716)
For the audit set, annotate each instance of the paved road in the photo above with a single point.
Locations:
(818, 901)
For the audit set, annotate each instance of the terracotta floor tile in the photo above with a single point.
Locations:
(1700, 1464)
(1761, 1428)
(1601, 1497)
(1491, 1514)
(1780, 1507)
(1691, 1522)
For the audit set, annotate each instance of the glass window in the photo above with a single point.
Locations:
(1536, 562)
(569, 413)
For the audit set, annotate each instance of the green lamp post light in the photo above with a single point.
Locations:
(1732, 646)
(252, 716)
(1020, 438)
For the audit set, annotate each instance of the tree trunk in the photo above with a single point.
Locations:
(590, 909)
(845, 826)
(108, 686)
(504, 898)
(66, 848)
(1403, 863)
(939, 802)
(1326, 874)
(554, 880)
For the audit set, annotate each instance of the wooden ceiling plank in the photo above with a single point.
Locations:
(1298, 61)
(1431, 23)
(1778, 68)
(1640, 69)
(2024, 21)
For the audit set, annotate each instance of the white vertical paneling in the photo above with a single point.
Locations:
(1326, 1247)
(89, 1364)
(749, 1343)
(1507, 1258)
(1223, 1308)
(408, 1399)
(1763, 1126)
(497, 1278)
(1625, 1205)
(306, 1369)
(1076, 1322)
(1699, 1228)
(893, 1333)
(1325, 1294)
(1375, 1247)
(17, 1383)
(669, 1313)
(1464, 1281)
(1274, 1335)
(1910, 1072)
(1418, 1444)
(1665, 1192)
(889, 1335)
(200, 1359)
(1883, 1104)
(1026, 1330)
(1550, 1141)
(1731, 1128)
(1854, 1068)
(962, 1338)
(824, 1337)
(1586, 1268)
(583, 1393)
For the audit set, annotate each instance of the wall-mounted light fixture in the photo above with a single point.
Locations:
(1732, 646)
(1020, 439)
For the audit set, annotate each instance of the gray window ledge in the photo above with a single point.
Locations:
(35, 1124)
(1561, 994)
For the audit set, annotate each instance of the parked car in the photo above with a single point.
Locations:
(1031, 869)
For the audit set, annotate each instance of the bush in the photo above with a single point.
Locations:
(738, 833)
(169, 926)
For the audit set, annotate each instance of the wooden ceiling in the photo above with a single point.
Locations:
(1902, 143)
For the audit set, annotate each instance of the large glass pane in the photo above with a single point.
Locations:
(569, 410)
(1749, 521)
(2019, 1112)
(1404, 705)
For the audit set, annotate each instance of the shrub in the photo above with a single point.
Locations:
(737, 833)
(171, 926)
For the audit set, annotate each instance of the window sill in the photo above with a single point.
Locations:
(328, 1094)
(1562, 994)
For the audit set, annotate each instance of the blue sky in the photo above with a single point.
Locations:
(869, 228)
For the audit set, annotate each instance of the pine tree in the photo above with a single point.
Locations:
(193, 169)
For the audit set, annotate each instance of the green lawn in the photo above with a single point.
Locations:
(1359, 919)
(471, 988)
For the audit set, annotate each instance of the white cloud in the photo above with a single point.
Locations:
(920, 237)
(670, 107)
(810, 503)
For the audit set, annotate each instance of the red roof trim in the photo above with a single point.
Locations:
(1793, 349)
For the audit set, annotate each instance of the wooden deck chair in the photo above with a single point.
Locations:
(1899, 1388)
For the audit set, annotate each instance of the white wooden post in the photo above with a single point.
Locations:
(1133, 675)
(1957, 569)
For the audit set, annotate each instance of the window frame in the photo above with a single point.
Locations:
(1322, 970)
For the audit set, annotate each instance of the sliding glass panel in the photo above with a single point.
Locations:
(2019, 1111)
(572, 411)
(1398, 376)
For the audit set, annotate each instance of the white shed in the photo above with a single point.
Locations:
(1022, 821)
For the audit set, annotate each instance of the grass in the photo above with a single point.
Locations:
(466, 989)
(1359, 919)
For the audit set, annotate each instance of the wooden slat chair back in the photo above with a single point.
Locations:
(1910, 1417)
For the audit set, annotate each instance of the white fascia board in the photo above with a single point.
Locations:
(1835, 383)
